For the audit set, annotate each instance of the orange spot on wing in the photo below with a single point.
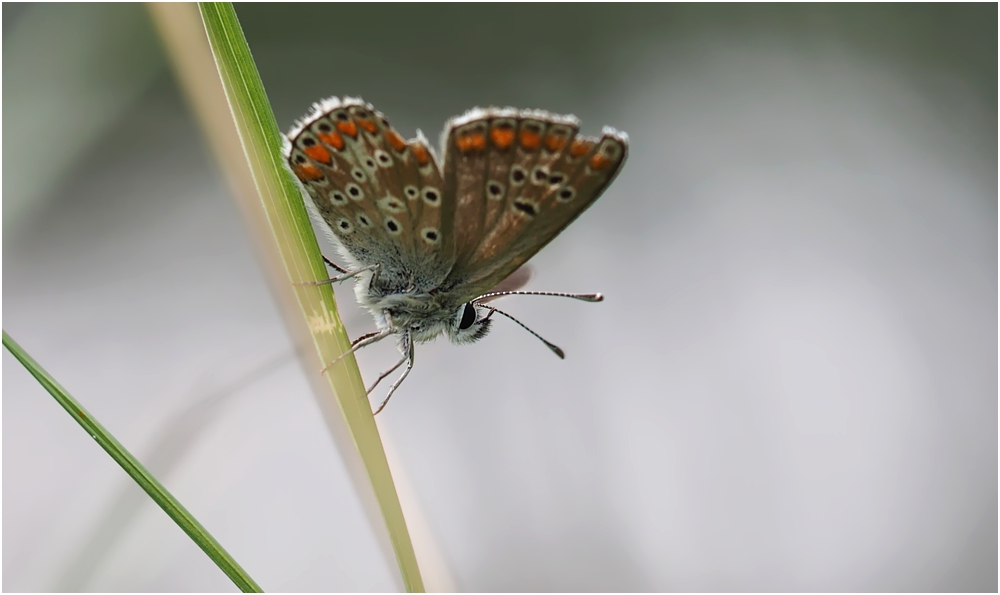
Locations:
(333, 139)
(599, 162)
(470, 141)
(420, 152)
(530, 140)
(554, 142)
(502, 137)
(580, 148)
(368, 125)
(318, 153)
(395, 141)
(347, 127)
(308, 172)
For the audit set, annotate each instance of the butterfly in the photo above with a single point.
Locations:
(431, 240)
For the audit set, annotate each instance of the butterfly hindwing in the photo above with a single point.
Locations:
(379, 195)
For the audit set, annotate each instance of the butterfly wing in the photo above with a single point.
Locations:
(519, 178)
(380, 197)
(515, 281)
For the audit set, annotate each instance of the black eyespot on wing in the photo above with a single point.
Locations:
(468, 317)
(430, 235)
(526, 207)
(308, 142)
(345, 226)
(392, 225)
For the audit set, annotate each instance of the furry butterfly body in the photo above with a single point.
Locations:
(427, 241)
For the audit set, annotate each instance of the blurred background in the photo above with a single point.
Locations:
(791, 385)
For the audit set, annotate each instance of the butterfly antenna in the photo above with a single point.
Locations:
(555, 348)
(586, 297)
(358, 345)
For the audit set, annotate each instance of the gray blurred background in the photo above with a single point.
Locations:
(791, 386)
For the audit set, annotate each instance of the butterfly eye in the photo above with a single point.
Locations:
(468, 317)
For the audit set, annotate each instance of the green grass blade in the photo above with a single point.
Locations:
(136, 471)
(348, 411)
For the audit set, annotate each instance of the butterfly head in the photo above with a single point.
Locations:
(465, 324)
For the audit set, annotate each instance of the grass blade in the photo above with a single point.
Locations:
(288, 244)
(136, 471)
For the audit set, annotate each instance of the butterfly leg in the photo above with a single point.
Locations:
(386, 373)
(409, 366)
(345, 276)
(363, 341)
(333, 266)
(364, 337)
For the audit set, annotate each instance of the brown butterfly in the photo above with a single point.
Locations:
(431, 244)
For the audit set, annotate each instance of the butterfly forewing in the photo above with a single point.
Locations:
(531, 178)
